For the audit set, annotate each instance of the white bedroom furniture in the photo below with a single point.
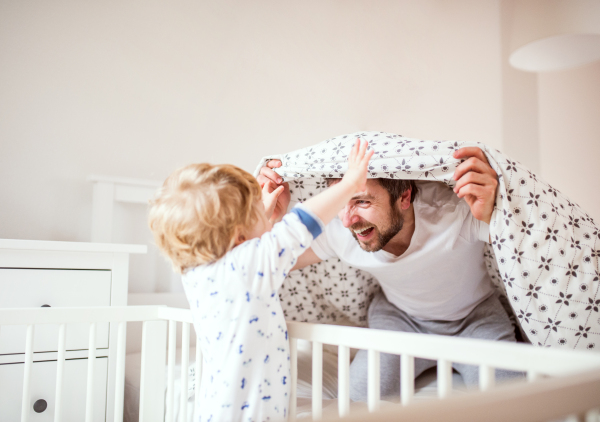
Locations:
(119, 213)
(42, 274)
(107, 191)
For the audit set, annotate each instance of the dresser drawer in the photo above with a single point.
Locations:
(43, 387)
(23, 288)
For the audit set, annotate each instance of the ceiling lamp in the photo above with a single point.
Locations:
(549, 35)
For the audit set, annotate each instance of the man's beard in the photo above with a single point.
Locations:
(383, 237)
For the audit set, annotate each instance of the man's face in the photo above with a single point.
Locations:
(371, 218)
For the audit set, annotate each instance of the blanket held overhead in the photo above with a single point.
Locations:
(543, 256)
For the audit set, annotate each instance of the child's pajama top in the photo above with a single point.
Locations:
(240, 324)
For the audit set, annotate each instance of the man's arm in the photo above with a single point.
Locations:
(309, 257)
(477, 182)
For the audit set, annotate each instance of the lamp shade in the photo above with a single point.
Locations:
(549, 35)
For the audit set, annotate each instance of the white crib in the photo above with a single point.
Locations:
(559, 383)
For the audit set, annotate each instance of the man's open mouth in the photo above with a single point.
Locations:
(363, 233)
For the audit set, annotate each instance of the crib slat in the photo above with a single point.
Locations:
(60, 369)
(343, 380)
(27, 373)
(407, 379)
(89, 400)
(444, 378)
(487, 377)
(185, 364)
(171, 370)
(317, 380)
(152, 376)
(120, 372)
(373, 380)
(294, 377)
(198, 371)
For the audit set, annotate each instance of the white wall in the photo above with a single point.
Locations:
(136, 89)
(139, 88)
(569, 117)
(520, 122)
(551, 122)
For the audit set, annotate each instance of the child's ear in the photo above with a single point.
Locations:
(239, 237)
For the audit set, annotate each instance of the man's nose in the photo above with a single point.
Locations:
(348, 217)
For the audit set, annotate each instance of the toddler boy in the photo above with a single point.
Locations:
(210, 222)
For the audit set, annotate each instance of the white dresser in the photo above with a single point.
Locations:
(60, 274)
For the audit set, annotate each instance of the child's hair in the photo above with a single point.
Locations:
(197, 213)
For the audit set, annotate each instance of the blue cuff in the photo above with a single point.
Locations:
(311, 221)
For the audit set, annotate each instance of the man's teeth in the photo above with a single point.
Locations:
(361, 231)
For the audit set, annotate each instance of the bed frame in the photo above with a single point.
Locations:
(559, 383)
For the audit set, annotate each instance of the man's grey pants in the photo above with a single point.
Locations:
(487, 321)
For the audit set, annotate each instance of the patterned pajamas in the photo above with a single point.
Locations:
(240, 324)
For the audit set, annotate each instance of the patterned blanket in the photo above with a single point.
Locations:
(543, 257)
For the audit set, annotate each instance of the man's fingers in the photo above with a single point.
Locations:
(477, 191)
(273, 163)
(467, 152)
(473, 164)
(471, 177)
(270, 175)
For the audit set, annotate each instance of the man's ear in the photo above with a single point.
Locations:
(405, 199)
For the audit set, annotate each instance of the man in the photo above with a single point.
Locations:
(425, 247)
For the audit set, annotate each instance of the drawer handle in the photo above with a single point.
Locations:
(45, 306)
(40, 405)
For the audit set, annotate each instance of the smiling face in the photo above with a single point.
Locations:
(371, 218)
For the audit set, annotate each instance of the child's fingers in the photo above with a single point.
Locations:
(364, 162)
(368, 157)
(277, 192)
(266, 188)
(270, 200)
(361, 151)
(363, 148)
(354, 150)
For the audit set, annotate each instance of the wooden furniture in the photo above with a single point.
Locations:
(61, 274)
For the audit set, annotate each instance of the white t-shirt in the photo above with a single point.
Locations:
(241, 327)
(442, 275)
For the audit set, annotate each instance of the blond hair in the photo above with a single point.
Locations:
(199, 211)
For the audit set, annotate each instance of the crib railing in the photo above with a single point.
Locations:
(535, 362)
(159, 336)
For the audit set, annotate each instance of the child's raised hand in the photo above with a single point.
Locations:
(270, 193)
(358, 162)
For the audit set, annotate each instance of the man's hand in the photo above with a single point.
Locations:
(476, 181)
(268, 177)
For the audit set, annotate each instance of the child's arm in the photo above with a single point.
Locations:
(273, 255)
(328, 203)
